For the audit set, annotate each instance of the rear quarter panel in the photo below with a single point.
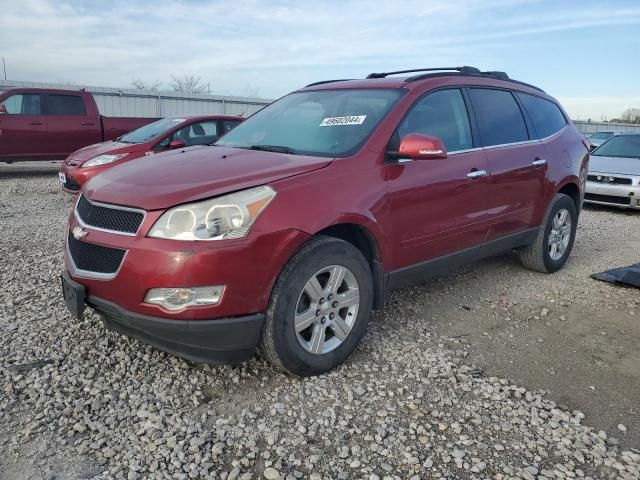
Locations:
(568, 163)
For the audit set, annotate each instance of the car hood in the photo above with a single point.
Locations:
(182, 176)
(625, 166)
(86, 153)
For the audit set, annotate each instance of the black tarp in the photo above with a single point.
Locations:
(626, 275)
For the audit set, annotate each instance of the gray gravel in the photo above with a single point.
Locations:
(77, 401)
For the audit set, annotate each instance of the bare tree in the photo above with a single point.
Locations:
(140, 84)
(631, 115)
(189, 84)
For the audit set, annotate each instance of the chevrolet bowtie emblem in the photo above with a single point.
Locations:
(78, 233)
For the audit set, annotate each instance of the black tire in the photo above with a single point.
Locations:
(279, 343)
(537, 256)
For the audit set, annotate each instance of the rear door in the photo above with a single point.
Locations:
(23, 129)
(70, 126)
(516, 160)
(438, 206)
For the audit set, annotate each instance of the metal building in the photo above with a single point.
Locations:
(123, 102)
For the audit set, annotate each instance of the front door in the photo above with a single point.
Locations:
(23, 129)
(438, 207)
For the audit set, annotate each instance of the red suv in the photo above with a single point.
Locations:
(289, 230)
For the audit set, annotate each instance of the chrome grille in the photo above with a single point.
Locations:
(112, 218)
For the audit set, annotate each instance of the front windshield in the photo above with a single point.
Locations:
(620, 146)
(601, 135)
(151, 131)
(329, 123)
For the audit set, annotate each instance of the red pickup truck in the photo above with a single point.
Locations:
(49, 124)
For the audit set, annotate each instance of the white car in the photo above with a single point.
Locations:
(598, 138)
(614, 172)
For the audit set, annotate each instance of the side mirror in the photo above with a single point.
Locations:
(173, 144)
(417, 146)
(3, 109)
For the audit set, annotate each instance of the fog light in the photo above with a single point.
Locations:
(179, 298)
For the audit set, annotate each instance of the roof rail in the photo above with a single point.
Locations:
(498, 75)
(437, 72)
(491, 74)
(328, 81)
(464, 69)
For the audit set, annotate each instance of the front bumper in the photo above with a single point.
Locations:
(75, 177)
(223, 340)
(622, 196)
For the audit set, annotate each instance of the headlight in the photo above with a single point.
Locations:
(102, 159)
(229, 216)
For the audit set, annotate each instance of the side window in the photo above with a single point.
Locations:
(164, 143)
(25, 104)
(201, 133)
(499, 117)
(65, 105)
(546, 117)
(442, 114)
(228, 125)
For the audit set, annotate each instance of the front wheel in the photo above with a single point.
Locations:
(319, 308)
(553, 244)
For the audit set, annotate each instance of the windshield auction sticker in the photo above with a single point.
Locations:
(350, 120)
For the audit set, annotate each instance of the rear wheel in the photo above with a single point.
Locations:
(554, 242)
(319, 308)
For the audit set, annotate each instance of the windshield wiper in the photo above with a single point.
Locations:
(273, 148)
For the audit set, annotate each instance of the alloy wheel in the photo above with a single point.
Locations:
(327, 309)
(560, 234)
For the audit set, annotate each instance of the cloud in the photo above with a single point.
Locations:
(275, 46)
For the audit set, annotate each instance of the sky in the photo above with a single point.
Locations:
(585, 53)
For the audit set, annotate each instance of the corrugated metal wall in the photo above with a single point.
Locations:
(593, 127)
(124, 102)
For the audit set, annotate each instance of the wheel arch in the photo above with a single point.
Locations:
(572, 190)
(365, 241)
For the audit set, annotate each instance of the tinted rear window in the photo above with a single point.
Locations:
(65, 105)
(546, 117)
(499, 117)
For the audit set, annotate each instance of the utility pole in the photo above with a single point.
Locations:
(4, 67)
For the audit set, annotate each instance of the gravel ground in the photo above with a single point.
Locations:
(425, 396)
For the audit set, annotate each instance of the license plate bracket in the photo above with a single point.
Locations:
(62, 177)
(74, 296)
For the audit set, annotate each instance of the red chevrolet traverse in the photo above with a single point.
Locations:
(287, 232)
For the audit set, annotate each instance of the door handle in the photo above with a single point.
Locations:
(539, 162)
(34, 123)
(88, 124)
(477, 174)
